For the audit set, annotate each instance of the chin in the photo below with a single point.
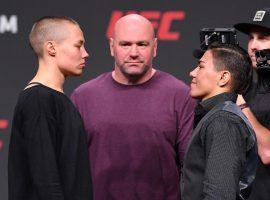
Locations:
(195, 95)
(134, 72)
(78, 73)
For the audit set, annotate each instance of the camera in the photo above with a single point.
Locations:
(263, 59)
(219, 35)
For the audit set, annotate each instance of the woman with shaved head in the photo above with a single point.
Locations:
(48, 156)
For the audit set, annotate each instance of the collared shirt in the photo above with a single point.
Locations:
(205, 106)
(216, 156)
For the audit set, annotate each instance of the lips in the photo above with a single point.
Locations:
(253, 60)
(133, 64)
(253, 57)
(82, 64)
(193, 82)
(137, 62)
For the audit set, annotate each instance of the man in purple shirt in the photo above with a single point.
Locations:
(138, 120)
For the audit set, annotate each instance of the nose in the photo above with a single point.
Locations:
(193, 73)
(253, 44)
(84, 53)
(134, 51)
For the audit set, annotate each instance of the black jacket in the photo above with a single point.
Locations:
(221, 158)
(258, 99)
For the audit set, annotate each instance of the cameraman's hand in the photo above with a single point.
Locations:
(240, 100)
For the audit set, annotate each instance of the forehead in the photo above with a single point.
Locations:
(207, 58)
(73, 28)
(259, 31)
(72, 31)
(134, 31)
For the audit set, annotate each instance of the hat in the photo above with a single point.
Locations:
(261, 19)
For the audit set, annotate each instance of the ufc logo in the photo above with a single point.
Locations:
(1, 144)
(8, 24)
(3, 124)
(162, 22)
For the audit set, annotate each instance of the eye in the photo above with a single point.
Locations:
(78, 45)
(124, 44)
(261, 37)
(143, 44)
(266, 37)
(200, 66)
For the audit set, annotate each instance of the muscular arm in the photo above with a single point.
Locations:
(262, 133)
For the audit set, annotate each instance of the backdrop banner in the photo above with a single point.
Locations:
(177, 24)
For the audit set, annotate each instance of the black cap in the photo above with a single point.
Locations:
(261, 19)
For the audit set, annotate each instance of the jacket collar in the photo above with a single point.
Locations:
(205, 106)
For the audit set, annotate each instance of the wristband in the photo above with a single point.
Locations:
(243, 106)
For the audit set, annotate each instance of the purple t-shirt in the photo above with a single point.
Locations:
(137, 135)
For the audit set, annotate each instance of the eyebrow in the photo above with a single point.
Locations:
(123, 42)
(135, 42)
(201, 61)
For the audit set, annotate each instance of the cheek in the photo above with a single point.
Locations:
(67, 53)
(204, 81)
(267, 45)
(120, 54)
(258, 45)
(70, 58)
(147, 55)
(249, 49)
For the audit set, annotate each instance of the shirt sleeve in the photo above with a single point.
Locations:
(73, 98)
(185, 107)
(77, 101)
(39, 135)
(225, 156)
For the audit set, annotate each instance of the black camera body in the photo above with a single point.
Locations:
(219, 35)
(263, 59)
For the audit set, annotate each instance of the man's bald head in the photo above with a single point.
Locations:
(134, 21)
(133, 47)
(50, 28)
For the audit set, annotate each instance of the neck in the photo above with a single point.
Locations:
(132, 80)
(50, 76)
(217, 92)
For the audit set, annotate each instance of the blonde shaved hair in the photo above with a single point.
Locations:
(49, 28)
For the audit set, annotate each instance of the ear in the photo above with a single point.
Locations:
(50, 48)
(155, 47)
(225, 78)
(112, 46)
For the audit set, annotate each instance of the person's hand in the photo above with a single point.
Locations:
(240, 100)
